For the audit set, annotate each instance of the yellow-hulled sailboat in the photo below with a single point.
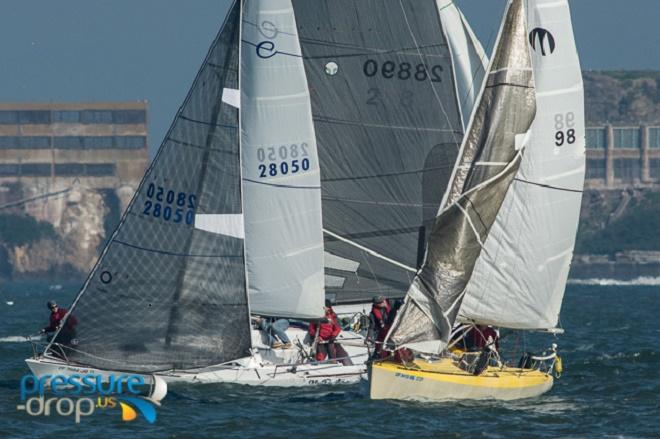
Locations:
(501, 246)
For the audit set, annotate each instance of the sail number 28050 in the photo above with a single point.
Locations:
(169, 205)
(283, 160)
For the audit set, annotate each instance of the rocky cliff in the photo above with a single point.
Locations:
(76, 222)
(623, 97)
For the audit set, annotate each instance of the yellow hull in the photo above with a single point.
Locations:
(443, 380)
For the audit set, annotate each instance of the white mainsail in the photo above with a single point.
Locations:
(281, 177)
(520, 277)
(469, 60)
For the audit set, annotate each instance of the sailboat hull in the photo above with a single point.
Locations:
(269, 367)
(255, 374)
(443, 380)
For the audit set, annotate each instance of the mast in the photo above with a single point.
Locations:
(488, 161)
(520, 278)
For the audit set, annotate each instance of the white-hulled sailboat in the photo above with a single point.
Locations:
(227, 219)
(502, 243)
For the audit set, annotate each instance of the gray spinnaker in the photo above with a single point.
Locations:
(489, 159)
(388, 131)
(166, 294)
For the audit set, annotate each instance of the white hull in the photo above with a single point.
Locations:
(268, 367)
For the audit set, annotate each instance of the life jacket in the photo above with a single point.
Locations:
(380, 316)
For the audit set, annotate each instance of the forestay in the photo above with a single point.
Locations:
(281, 178)
(468, 57)
(488, 161)
(388, 130)
(520, 278)
(164, 293)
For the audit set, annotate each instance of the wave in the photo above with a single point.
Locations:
(16, 339)
(640, 281)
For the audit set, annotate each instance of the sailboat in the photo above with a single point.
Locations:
(227, 220)
(502, 242)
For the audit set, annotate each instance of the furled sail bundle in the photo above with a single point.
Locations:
(387, 93)
(520, 277)
(487, 164)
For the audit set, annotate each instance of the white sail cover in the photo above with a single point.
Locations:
(281, 179)
(468, 57)
(520, 277)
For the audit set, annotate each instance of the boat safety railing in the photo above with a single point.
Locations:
(293, 367)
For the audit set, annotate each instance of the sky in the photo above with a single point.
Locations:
(114, 50)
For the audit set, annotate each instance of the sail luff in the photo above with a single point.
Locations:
(489, 158)
(520, 280)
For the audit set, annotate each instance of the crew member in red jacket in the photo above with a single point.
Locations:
(328, 329)
(57, 314)
(379, 323)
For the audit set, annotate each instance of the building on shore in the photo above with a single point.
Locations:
(49, 148)
(620, 157)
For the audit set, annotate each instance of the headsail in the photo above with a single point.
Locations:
(388, 131)
(169, 288)
(468, 57)
(519, 280)
(281, 177)
(488, 161)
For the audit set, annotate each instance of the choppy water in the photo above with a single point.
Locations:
(610, 387)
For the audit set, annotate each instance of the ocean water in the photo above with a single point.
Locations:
(610, 386)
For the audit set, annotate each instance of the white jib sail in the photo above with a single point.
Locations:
(469, 60)
(281, 177)
(520, 277)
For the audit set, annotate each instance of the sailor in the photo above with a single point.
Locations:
(379, 323)
(68, 332)
(275, 330)
(483, 337)
(325, 332)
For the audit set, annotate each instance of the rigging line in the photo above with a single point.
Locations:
(164, 252)
(181, 116)
(421, 57)
(547, 186)
(369, 251)
(369, 50)
(390, 127)
(192, 145)
(509, 84)
(281, 185)
(387, 174)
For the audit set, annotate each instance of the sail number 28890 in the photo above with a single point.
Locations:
(283, 160)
